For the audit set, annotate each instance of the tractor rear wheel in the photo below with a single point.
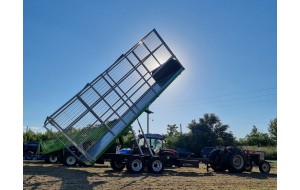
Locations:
(155, 165)
(235, 161)
(135, 164)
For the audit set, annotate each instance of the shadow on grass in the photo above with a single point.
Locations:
(167, 172)
(69, 178)
(77, 177)
(255, 175)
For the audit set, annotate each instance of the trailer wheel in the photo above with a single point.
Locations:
(236, 161)
(216, 161)
(53, 159)
(69, 160)
(135, 164)
(28, 157)
(155, 165)
(117, 164)
(264, 167)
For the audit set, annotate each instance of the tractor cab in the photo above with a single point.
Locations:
(155, 141)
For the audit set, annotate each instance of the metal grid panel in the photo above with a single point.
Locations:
(106, 106)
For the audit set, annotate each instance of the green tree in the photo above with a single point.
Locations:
(256, 138)
(172, 130)
(209, 131)
(29, 136)
(273, 130)
(128, 138)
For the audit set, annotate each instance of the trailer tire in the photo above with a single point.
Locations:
(264, 167)
(69, 160)
(135, 164)
(155, 165)
(117, 164)
(235, 161)
(216, 161)
(53, 159)
(28, 157)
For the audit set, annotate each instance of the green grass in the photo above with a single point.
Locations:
(273, 163)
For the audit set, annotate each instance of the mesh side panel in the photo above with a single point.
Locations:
(151, 64)
(102, 108)
(141, 52)
(132, 59)
(152, 41)
(162, 54)
(90, 97)
(120, 70)
(135, 88)
(69, 114)
(112, 98)
(98, 131)
(139, 92)
(122, 109)
(112, 120)
(118, 104)
(101, 86)
(128, 83)
(93, 118)
(81, 129)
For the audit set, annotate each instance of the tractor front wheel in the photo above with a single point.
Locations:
(264, 167)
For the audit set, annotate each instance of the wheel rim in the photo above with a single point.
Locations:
(238, 162)
(265, 167)
(136, 165)
(157, 165)
(71, 160)
(53, 159)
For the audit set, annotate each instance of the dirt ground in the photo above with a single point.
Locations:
(38, 175)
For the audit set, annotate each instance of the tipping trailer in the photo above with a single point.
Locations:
(88, 124)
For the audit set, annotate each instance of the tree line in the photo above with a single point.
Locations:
(206, 131)
(210, 131)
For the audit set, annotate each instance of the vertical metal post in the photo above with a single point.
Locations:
(148, 112)
(147, 123)
(137, 143)
(145, 138)
(180, 129)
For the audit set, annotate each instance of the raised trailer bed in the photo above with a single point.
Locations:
(88, 124)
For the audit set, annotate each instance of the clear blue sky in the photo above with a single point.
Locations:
(227, 47)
